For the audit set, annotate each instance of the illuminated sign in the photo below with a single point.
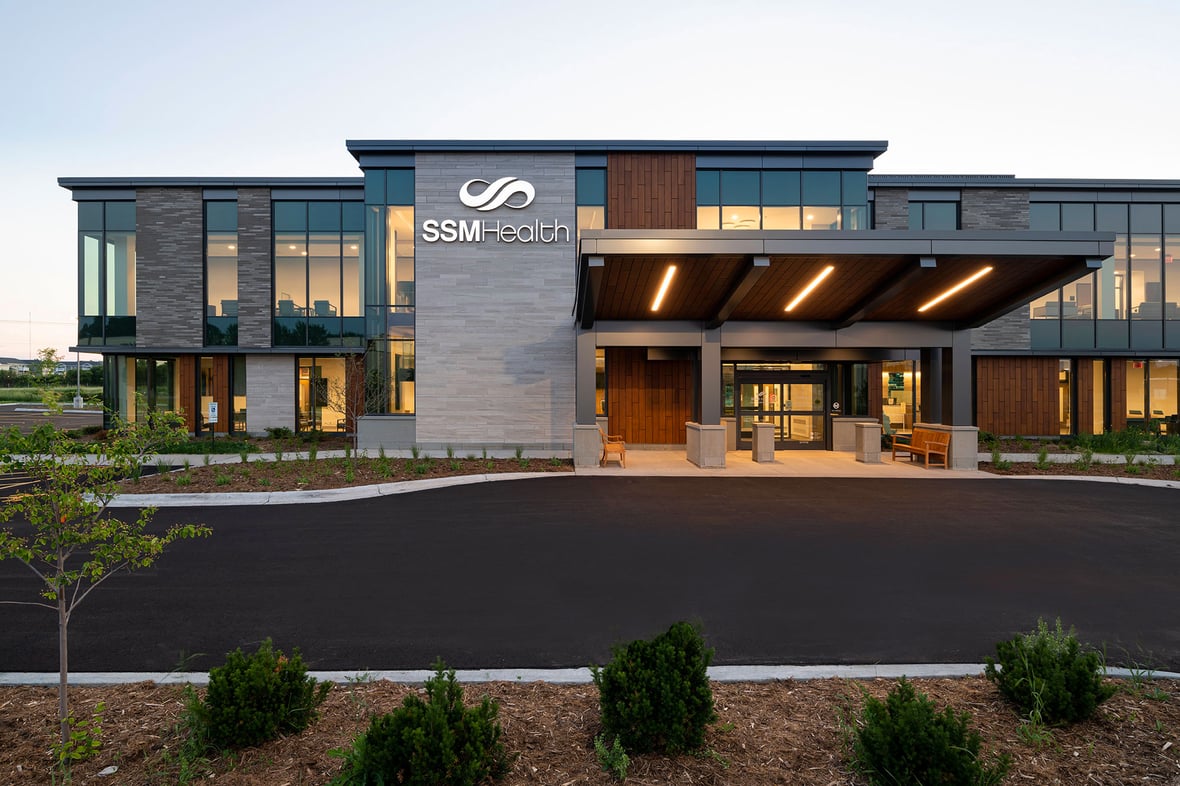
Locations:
(485, 196)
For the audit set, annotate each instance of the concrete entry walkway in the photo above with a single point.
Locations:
(787, 464)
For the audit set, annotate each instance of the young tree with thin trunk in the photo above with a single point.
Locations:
(64, 530)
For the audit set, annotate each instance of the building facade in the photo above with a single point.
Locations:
(495, 295)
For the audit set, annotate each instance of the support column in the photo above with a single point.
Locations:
(711, 377)
(957, 399)
(931, 367)
(587, 442)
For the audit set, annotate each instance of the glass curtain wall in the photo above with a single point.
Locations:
(900, 394)
(106, 273)
(781, 199)
(389, 286)
(319, 290)
(221, 273)
(1152, 394)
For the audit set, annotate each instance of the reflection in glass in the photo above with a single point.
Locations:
(708, 217)
(120, 269)
(1110, 294)
(1146, 271)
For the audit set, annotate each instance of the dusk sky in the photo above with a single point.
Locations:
(1035, 89)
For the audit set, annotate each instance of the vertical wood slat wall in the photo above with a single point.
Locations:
(186, 386)
(651, 191)
(1017, 395)
(225, 404)
(876, 392)
(649, 402)
(1118, 394)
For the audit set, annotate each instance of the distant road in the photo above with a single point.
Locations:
(25, 417)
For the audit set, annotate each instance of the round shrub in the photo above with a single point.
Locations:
(655, 695)
(437, 742)
(254, 698)
(1049, 675)
(904, 740)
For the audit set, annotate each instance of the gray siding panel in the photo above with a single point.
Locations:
(891, 208)
(254, 268)
(994, 208)
(170, 268)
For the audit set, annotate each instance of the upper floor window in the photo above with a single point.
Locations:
(590, 195)
(221, 273)
(106, 273)
(781, 199)
(934, 215)
(318, 283)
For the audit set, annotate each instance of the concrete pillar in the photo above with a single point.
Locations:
(763, 443)
(706, 444)
(868, 442)
(587, 446)
(730, 433)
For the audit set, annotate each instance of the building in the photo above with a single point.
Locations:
(508, 294)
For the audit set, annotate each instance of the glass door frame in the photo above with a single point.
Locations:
(801, 377)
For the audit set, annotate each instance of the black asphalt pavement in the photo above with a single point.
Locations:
(552, 572)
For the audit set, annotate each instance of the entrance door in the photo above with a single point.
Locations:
(795, 402)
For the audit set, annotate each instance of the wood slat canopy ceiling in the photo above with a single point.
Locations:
(880, 276)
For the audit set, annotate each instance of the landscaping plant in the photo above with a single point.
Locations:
(904, 740)
(1049, 675)
(437, 742)
(254, 698)
(655, 695)
(67, 536)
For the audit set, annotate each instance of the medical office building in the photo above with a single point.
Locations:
(503, 294)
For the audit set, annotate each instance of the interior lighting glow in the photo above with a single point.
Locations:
(667, 282)
(966, 283)
(815, 282)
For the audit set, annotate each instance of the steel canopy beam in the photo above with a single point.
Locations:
(754, 271)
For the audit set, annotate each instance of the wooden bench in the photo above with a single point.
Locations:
(923, 442)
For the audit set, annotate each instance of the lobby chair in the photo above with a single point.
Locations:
(612, 445)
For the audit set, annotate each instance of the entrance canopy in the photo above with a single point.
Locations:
(956, 280)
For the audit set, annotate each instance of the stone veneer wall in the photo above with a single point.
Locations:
(891, 208)
(494, 354)
(995, 208)
(270, 392)
(169, 268)
(254, 269)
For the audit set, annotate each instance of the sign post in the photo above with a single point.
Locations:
(211, 419)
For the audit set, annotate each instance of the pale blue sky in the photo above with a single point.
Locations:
(1025, 87)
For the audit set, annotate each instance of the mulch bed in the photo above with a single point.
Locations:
(296, 474)
(766, 733)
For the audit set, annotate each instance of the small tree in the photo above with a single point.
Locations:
(46, 362)
(72, 542)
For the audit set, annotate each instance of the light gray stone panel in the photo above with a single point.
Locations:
(495, 338)
(254, 268)
(170, 268)
(270, 392)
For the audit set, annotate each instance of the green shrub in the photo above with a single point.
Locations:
(613, 759)
(904, 740)
(437, 742)
(1049, 676)
(279, 432)
(655, 695)
(254, 698)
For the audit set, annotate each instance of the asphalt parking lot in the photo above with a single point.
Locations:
(553, 572)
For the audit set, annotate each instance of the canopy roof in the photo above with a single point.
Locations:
(877, 275)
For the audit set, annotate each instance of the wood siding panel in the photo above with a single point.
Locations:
(651, 191)
(649, 401)
(876, 393)
(1084, 379)
(1118, 394)
(221, 394)
(1017, 396)
(186, 387)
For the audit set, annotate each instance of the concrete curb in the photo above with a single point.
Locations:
(579, 676)
(317, 495)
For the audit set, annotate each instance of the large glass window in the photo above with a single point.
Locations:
(221, 273)
(900, 394)
(318, 282)
(389, 291)
(781, 199)
(1152, 394)
(934, 215)
(1146, 267)
(322, 394)
(106, 273)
